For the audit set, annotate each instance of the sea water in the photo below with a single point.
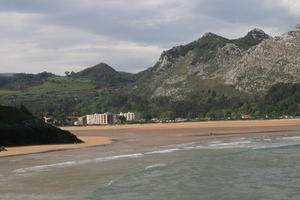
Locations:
(258, 168)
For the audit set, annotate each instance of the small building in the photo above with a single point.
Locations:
(155, 119)
(285, 117)
(97, 119)
(106, 118)
(246, 116)
(70, 120)
(48, 120)
(131, 116)
(52, 121)
(92, 119)
(81, 121)
(180, 119)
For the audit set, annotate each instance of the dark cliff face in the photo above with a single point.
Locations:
(18, 127)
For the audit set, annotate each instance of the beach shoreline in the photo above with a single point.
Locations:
(150, 135)
(24, 150)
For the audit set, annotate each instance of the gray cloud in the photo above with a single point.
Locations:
(59, 35)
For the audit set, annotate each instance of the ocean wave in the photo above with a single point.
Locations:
(268, 139)
(275, 146)
(157, 165)
(164, 151)
(256, 143)
(231, 143)
(193, 147)
(290, 138)
(214, 142)
(110, 183)
(74, 163)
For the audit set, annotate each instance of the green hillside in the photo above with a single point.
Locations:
(102, 75)
(46, 93)
(212, 76)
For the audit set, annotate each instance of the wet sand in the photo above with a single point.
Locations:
(150, 135)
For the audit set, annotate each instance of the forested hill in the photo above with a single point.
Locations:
(19, 127)
(210, 76)
(103, 75)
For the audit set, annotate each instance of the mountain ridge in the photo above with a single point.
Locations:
(204, 72)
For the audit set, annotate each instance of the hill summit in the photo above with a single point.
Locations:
(211, 73)
(104, 75)
(249, 64)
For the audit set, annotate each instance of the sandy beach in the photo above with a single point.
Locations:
(149, 135)
(88, 142)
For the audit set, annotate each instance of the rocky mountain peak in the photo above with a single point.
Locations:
(104, 66)
(252, 38)
(208, 34)
(258, 34)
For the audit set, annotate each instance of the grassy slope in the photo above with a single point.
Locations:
(53, 84)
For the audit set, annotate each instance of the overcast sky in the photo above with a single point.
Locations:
(129, 35)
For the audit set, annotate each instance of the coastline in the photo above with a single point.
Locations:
(236, 123)
(24, 150)
(150, 135)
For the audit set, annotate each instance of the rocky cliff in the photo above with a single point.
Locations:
(249, 64)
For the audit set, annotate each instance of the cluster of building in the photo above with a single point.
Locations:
(106, 118)
(109, 118)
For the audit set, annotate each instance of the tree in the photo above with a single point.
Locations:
(122, 119)
(67, 73)
(167, 115)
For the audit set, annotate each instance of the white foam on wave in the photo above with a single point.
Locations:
(110, 183)
(227, 144)
(214, 142)
(74, 163)
(190, 148)
(157, 165)
(271, 146)
(268, 139)
(164, 151)
(42, 167)
(290, 138)
(231, 144)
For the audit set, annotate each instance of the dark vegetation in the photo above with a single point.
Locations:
(19, 127)
(281, 99)
(102, 75)
(23, 81)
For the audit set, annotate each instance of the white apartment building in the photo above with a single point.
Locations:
(95, 119)
(131, 116)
